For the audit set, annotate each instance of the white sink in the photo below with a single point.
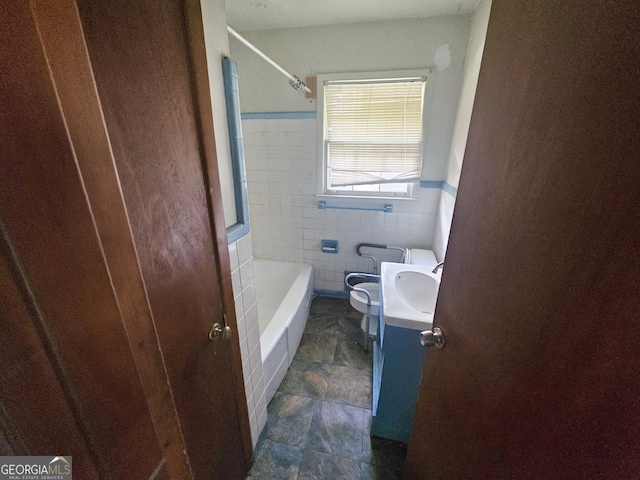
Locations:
(409, 294)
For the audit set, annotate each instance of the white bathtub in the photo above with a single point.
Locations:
(284, 292)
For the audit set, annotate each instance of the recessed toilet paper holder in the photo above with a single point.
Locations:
(330, 246)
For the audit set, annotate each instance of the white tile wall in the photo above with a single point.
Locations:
(286, 222)
(443, 224)
(244, 292)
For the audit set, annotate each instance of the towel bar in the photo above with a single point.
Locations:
(387, 208)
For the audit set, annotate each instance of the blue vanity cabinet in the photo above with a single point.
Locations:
(398, 358)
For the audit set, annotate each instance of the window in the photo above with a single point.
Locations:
(372, 135)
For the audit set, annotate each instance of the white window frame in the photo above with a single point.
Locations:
(321, 130)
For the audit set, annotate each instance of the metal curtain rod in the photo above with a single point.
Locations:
(294, 81)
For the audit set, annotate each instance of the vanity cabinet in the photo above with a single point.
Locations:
(398, 358)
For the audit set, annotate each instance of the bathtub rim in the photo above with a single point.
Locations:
(285, 312)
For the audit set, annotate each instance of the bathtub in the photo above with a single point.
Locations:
(284, 292)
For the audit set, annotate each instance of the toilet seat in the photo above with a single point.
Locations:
(358, 300)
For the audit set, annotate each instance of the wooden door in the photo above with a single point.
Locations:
(148, 63)
(114, 248)
(540, 296)
(69, 380)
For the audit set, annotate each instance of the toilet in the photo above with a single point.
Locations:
(358, 300)
(419, 256)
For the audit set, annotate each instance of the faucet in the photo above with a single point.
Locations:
(438, 266)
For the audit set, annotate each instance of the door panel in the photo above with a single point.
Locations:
(62, 38)
(57, 254)
(540, 293)
(24, 358)
(147, 102)
(204, 115)
(74, 300)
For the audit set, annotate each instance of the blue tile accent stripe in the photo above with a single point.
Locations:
(232, 98)
(279, 116)
(453, 191)
(320, 292)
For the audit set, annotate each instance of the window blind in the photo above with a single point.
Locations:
(373, 131)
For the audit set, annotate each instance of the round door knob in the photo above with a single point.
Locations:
(226, 332)
(217, 330)
(432, 338)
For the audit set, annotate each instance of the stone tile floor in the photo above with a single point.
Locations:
(320, 417)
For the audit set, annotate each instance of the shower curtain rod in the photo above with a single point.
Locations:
(294, 81)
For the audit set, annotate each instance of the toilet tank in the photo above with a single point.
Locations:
(419, 256)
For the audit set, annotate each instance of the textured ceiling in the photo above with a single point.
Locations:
(245, 15)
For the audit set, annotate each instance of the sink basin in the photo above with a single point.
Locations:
(409, 294)
(417, 290)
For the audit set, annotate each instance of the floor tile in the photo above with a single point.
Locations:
(316, 430)
(335, 306)
(276, 461)
(352, 354)
(380, 451)
(326, 466)
(309, 379)
(379, 472)
(317, 348)
(349, 386)
(337, 429)
(350, 328)
(289, 419)
(322, 324)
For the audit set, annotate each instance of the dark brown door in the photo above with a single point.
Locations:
(112, 274)
(141, 61)
(540, 297)
(69, 381)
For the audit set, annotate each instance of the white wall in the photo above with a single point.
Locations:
(375, 46)
(287, 223)
(473, 59)
(214, 19)
(471, 71)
